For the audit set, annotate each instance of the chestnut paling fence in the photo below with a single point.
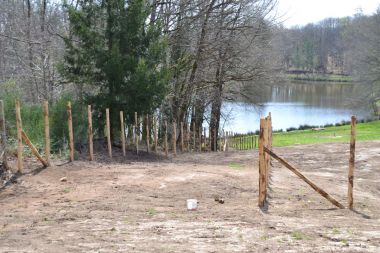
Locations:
(189, 139)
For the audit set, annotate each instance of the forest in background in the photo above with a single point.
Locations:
(179, 60)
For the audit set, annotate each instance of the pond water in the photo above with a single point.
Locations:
(298, 104)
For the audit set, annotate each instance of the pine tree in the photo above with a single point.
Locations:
(112, 47)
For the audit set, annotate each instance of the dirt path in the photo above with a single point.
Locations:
(141, 206)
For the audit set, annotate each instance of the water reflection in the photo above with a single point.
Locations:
(297, 104)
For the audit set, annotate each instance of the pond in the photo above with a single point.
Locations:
(295, 104)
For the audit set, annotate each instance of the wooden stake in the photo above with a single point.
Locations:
(33, 149)
(155, 136)
(90, 134)
(209, 138)
(122, 132)
(47, 132)
(166, 139)
(215, 141)
(3, 135)
(262, 164)
(147, 133)
(182, 143)
(136, 134)
(71, 135)
(19, 137)
(308, 181)
(174, 138)
(204, 138)
(194, 141)
(187, 137)
(200, 139)
(351, 166)
(108, 126)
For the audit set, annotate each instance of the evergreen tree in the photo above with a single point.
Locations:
(112, 47)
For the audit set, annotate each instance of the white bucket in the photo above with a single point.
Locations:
(192, 204)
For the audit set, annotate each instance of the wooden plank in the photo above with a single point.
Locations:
(122, 132)
(108, 129)
(308, 181)
(71, 135)
(166, 139)
(147, 133)
(90, 134)
(262, 164)
(3, 136)
(20, 147)
(33, 149)
(47, 132)
(351, 166)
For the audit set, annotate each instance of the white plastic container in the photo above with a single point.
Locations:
(192, 204)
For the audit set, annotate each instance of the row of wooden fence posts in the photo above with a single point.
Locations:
(265, 154)
(21, 135)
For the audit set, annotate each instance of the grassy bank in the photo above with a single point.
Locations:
(364, 132)
(320, 78)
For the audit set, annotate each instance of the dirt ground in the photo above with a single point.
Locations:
(140, 205)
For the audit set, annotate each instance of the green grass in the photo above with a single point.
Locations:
(297, 235)
(364, 132)
(378, 103)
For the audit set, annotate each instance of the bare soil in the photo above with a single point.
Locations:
(139, 205)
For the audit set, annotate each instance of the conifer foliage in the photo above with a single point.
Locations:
(112, 46)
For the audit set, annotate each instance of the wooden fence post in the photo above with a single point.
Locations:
(122, 132)
(71, 135)
(108, 126)
(155, 134)
(200, 139)
(3, 135)
(182, 143)
(351, 163)
(19, 137)
(262, 163)
(188, 137)
(194, 141)
(47, 132)
(209, 139)
(147, 133)
(174, 138)
(90, 134)
(136, 134)
(215, 141)
(204, 138)
(166, 139)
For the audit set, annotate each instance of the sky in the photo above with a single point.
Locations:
(302, 12)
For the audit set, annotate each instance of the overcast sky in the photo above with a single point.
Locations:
(302, 12)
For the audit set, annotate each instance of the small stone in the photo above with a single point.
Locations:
(63, 179)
